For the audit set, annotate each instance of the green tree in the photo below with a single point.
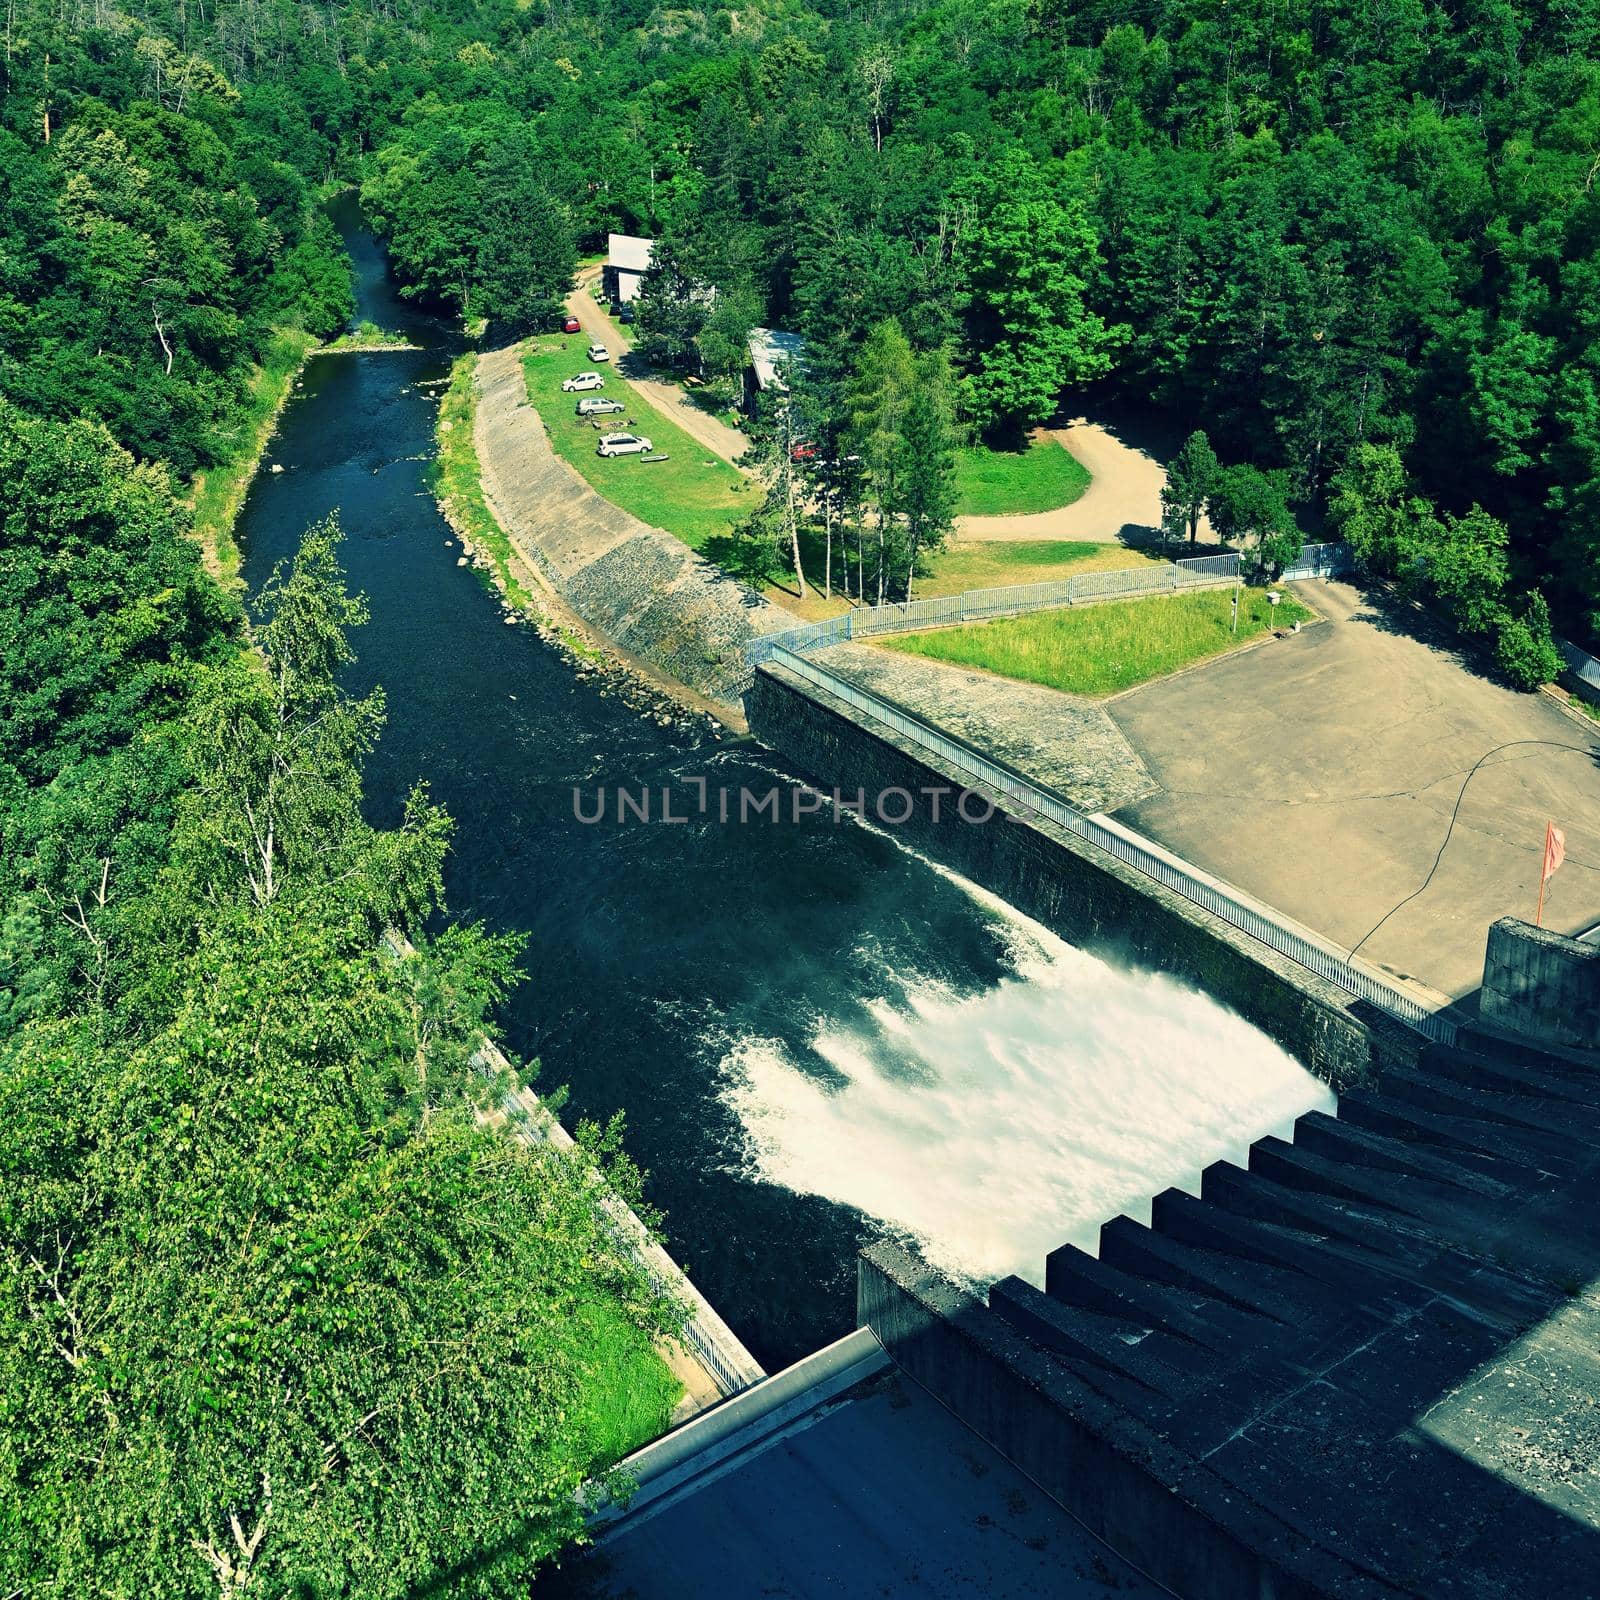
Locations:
(670, 310)
(276, 750)
(1028, 256)
(1376, 511)
(927, 491)
(878, 398)
(1525, 647)
(525, 247)
(1467, 568)
(1250, 509)
(783, 451)
(1191, 475)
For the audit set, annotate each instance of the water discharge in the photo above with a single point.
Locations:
(992, 1127)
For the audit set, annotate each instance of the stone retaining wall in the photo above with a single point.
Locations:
(1542, 985)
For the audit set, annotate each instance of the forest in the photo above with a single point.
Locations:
(1350, 247)
(1356, 243)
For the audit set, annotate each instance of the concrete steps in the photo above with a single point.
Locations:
(1361, 1364)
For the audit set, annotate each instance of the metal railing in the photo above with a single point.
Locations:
(1299, 946)
(979, 605)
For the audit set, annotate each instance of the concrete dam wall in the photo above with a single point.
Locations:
(1082, 893)
(1542, 985)
(639, 586)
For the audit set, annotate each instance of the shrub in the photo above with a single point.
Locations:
(1526, 649)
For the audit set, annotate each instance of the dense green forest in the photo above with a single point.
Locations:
(1309, 228)
(257, 1259)
(1356, 242)
(279, 1313)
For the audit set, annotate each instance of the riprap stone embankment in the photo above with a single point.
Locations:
(639, 586)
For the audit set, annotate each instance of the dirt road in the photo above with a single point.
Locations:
(668, 398)
(1122, 503)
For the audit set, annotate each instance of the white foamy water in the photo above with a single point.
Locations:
(996, 1126)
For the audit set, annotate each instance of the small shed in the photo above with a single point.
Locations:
(770, 348)
(627, 261)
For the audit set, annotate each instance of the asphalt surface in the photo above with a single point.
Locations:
(1321, 772)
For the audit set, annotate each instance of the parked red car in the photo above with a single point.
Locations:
(803, 452)
(572, 325)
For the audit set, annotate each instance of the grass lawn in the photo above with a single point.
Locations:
(1043, 477)
(458, 484)
(627, 1393)
(693, 494)
(1100, 649)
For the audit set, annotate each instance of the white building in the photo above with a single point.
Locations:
(627, 261)
(770, 348)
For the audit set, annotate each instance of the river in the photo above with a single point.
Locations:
(817, 1037)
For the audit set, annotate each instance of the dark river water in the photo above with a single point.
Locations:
(816, 1037)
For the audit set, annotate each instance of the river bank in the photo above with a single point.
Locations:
(527, 595)
(658, 602)
(219, 493)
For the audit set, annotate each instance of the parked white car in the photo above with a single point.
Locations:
(599, 407)
(584, 380)
(622, 444)
(598, 352)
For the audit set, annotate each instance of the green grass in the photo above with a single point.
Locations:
(978, 564)
(1100, 649)
(458, 485)
(219, 492)
(965, 564)
(627, 1392)
(369, 336)
(693, 494)
(1043, 477)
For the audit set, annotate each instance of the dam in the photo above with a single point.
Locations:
(803, 1022)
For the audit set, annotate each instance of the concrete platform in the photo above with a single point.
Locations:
(1320, 774)
(879, 1492)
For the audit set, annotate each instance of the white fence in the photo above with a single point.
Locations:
(979, 605)
(1299, 945)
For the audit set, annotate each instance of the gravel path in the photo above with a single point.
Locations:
(1121, 505)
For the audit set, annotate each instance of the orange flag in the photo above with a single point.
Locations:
(1555, 852)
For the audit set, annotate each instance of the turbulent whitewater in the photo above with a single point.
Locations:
(994, 1126)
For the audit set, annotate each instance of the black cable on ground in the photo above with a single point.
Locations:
(1510, 744)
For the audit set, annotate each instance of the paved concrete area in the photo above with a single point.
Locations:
(637, 585)
(885, 1494)
(1320, 773)
(1122, 502)
(1059, 740)
(664, 395)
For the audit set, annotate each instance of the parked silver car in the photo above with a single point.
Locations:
(622, 444)
(584, 380)
(599, 407)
